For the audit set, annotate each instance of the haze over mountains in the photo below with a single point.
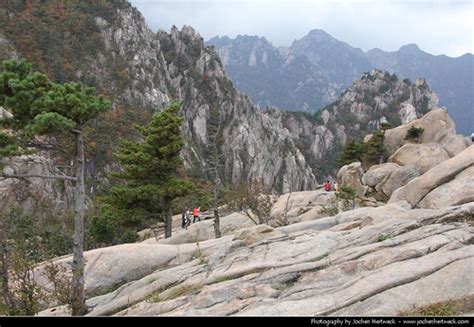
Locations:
(315, 69)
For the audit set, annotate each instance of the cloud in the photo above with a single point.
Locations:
(438, 27)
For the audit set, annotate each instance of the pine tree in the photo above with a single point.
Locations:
(374, 150)
(41, 107)
(353, 151)
(151, 169)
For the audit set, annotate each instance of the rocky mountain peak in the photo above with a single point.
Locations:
(396, 101)
(186, 32)
(377, 97)
(411, 49)
(315, 69)
(319, 43)
(319, 35)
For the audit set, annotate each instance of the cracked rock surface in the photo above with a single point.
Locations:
(370, 261)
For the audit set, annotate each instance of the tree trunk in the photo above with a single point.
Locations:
(78, 298)
(217, 220)
(217, 224)
(288, 207)
(168, 219)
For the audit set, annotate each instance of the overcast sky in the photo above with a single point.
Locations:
(437, 26)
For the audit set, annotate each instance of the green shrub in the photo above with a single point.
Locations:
(442, 309)
(112, 227)
(347, 195)
(414, 133)
(383, 237)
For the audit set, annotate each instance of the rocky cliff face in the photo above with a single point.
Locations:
(253, 145)
(375, 98)
(35, 194)
(141, 70)
(314, 70)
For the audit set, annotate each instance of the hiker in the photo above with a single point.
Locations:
(188, 219)
(472, 137)
(327, 186)
(336, 186)
(196, 214)
(184, 219)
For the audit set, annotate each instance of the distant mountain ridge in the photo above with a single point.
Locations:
(141, 70)
(314, 70)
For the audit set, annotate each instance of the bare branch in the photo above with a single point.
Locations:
(288, 206)
(68, 178)
(247, 213)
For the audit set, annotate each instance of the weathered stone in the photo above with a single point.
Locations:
(455, 144)
(399, 178)
(440, 287)
(300, 206)
(351, 175)
(4, 114)
(416, 189)
(204, 230)
(387, 177)
(108, 268)
(437, 125)
(357, 261)
(378, 173)
(312, 214)
(253, 234)
(407, 112)
(145, 234)
(35, 193)
(458, 191)
(421, 156)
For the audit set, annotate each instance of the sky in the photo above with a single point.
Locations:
(436, 26)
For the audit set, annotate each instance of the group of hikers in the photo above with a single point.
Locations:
(186, 217)
(327, 186)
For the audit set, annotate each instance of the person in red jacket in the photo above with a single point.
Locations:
(327, 186)
(196, 214)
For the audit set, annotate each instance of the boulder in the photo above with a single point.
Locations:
(108, 268)
(256, 233)
(312, 214)
(301, 206)
(416, 189)
(398, 178)
(437, 125)
(387, 177)
(458, 191)
(145, 234)
(455, 144)
(4, 114)
(379, 173)
(421, 156)
(351, 175)
(204, 230)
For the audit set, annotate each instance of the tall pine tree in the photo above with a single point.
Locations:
(41, 107)
(151, 171)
